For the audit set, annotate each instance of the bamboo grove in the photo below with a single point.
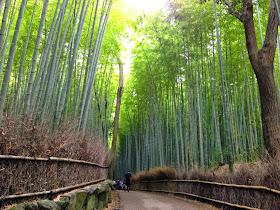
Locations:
(58, 59)
(192, 99)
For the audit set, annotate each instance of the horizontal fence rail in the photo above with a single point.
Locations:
(50, 192)
(232, 195)
(203, 198)
(222, 184)
(22, 177)
(11, 157)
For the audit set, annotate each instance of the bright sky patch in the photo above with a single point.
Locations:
(146, 5)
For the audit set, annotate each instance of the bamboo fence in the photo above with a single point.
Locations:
(229, 195)
(29, 177)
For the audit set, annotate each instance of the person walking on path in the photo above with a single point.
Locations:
(127, 180)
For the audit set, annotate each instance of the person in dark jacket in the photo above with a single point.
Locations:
(127, 180)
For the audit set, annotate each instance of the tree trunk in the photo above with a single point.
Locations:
(22, 62)
(117, 114)
(4, 21)
(262, 63)
(35, 55)
(269, 105)
(12, 52)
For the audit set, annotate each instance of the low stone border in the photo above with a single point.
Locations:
(93, 197)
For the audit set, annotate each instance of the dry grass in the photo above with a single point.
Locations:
(165, 173)
(116, 201)
(262, 173)
(22, 136)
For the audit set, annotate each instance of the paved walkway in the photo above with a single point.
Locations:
(135, 200)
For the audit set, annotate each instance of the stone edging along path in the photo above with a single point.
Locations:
(92, 197)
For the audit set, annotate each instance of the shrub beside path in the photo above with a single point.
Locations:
(154, 201)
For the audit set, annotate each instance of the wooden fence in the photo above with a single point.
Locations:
(229, 195)
(29, 176)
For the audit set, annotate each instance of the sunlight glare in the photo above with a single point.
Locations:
(146, 5)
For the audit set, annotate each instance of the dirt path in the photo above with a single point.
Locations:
(135, 200)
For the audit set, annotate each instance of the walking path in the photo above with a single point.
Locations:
(135, 200)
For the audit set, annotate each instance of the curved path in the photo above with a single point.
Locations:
(135, 200)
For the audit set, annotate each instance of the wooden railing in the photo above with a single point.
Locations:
(232, 195)
(23, 177)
